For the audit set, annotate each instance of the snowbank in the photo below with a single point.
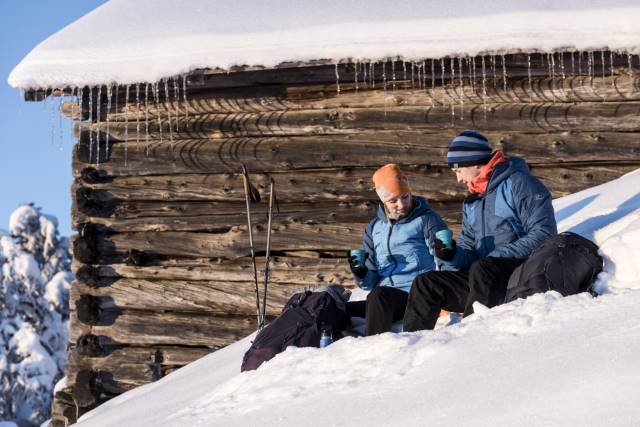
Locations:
(546, 360)
(128, 41)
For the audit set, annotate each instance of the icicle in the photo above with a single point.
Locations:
(603, 63)
(176, 97)
(393, 74)
(52, 115)
(90, 123)
(461, 88)
(364, 73)
(60, 122)
(337, 80)
(493, 70)
(355, 75)
(573, 64)
(562, 73)
(484, 88)
(384, 85)
(156, 96)
(126, 124)
(472, 65)
(590, 67)
(109, 98)
(504, 75)
(98, 117)
(552, 75)
(167, 103)
(453, 82)
(442, 66)
(184, 96)
(433, 80)
(418, 75)
(79, 94)
(613, 81)
(146, 118)
(580, 53)
(137, 114)
(372, 74)
(529, 78)
(404, 70)
(629, 61)
(413, 84)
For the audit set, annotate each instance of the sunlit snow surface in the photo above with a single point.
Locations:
(542, 361)
(131, 41)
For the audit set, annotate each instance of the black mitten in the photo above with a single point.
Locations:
(443, 252)
(358, 270)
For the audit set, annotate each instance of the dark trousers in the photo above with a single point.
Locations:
(485, 282)
(384, 305)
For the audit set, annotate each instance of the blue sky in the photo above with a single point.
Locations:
(34, 167)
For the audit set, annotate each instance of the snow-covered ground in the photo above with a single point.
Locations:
(128, 41)
(542, 361)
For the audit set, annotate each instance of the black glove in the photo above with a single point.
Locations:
(443, 252)
(358, 270)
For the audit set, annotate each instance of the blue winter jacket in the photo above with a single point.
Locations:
(510, 221)
(400, 250)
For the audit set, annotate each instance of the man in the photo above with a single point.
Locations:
(397, 246)
(507, 215)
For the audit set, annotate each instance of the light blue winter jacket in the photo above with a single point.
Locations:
(510, 221)
(400, 250)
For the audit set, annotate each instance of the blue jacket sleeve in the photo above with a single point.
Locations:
(372, 278)
(532, 202)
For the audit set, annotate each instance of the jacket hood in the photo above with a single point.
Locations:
(504, 170)
(420, 207)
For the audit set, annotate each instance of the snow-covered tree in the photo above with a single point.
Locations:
(34, 314)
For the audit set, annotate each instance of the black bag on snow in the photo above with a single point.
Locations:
(299, 323)
(566, 263)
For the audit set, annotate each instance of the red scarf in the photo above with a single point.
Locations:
(479, 183)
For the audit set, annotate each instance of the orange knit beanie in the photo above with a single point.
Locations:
(390, 182)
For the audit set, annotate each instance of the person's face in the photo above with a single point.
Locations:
(464, 175)
(399, 206)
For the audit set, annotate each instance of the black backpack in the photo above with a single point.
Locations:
(567, 263)
(300, 323)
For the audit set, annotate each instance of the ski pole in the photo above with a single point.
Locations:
(272, 185)
(252, 195)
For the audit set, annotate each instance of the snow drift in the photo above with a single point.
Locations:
(546, 360)
(127, 41)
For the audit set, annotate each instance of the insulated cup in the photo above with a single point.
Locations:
(360, 256)
(445, 236)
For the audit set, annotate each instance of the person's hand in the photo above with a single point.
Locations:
(358, 270)
(443, 252)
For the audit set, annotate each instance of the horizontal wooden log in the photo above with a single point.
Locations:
(436, 183)
(230, 244)
(303, 271)
(127, 369)
(144, 328)
(371, 149)
(402, 93)
(522, 117)
(127, 216)
(222, 298)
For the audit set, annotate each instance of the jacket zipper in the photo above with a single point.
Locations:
(395, 262)
(484, 230)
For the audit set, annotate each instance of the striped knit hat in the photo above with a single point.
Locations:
(470, 148)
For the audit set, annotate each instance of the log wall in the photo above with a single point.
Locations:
(161, 255)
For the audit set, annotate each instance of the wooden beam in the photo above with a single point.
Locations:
(371, 149)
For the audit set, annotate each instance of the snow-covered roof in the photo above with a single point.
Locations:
(129, 41)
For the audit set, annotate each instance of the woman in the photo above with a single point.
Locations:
(397, 247)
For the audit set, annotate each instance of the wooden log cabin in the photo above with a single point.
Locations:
(161, 255)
